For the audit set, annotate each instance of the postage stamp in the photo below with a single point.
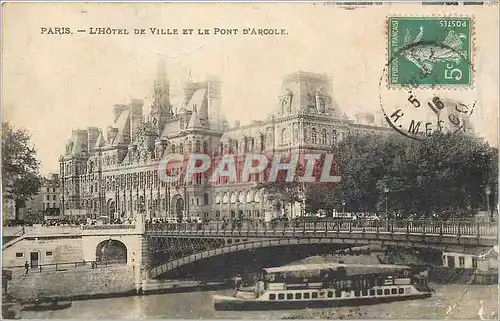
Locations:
(429, 51)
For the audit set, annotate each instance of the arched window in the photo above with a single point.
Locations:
(233, 197)
(173, 149)
(257, 197)
(205, 199)
(340, 136)
(323, 137)
(225, 198)
(334, 137)
(217, 198)
(296, 134)
(249, 196)
(284, 137)
(314, 136)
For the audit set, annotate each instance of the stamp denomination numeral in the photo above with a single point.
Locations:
(454, 73)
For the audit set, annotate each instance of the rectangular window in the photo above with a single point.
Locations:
(289, 296)
(54, 190)
(272, 296)
(461, 261)
(48, 197)
(451, 261)
(474, 263)
(307, 295)
(372, 292)
(387, 292)
(330, 294)
(53, 197)
(315, 295)
(298, 296)
(281, 296)
(379, 291)
(338, 294)
(48, 253)
(364, 292)
(394, 291)
(19, 254)
(401, 290)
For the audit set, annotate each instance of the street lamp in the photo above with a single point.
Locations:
(487, 191)
(343, 206)
(386, 192)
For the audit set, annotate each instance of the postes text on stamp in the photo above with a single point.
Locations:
(429, 51)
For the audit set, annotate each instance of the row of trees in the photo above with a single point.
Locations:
(20, 168)
(444, 174)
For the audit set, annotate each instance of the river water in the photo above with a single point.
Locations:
(198, 305)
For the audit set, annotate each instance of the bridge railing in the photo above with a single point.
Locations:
(386, 226)
(109, 227)
(64, 266)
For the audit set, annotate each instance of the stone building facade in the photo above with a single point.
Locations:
(114, 172)
(47, 201)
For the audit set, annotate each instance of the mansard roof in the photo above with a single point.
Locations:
(121, 123)
(194, 120)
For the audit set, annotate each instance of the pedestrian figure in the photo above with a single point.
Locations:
(26, 267)
(238, 282)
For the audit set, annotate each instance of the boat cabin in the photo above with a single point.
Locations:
(336, 276)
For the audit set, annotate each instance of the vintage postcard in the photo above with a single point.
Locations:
(322, 160)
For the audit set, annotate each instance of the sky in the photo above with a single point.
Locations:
(52, 84)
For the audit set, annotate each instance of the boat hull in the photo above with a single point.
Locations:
(246, 305)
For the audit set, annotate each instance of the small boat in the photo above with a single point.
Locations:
(11, 310)
(287, 288)
(46, 304)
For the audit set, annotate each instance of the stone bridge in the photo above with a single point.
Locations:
(172, 246)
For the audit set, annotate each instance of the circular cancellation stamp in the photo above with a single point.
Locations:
(428, 59)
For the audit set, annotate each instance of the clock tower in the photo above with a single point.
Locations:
(161, 109)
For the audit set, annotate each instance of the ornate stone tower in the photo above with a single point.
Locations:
(161, 109)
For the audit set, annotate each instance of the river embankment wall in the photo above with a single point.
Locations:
(74, 283)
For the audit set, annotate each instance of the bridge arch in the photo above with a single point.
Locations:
(263, 243)
(256, 243)
(111, 251)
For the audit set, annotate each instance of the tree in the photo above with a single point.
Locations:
(441, 175)
(20, 176)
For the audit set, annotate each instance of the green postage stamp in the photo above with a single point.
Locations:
(429, 51)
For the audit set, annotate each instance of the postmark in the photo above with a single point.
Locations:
(417, 112)
(429, 51)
